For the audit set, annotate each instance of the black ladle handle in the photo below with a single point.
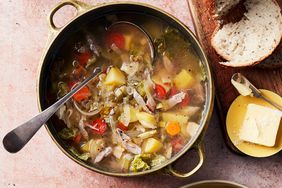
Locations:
(16, 139)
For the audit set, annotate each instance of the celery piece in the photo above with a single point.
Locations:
(138, 164)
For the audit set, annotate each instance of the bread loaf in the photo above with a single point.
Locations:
(253, 38)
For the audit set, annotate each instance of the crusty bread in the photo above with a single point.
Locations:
(223, 6)
(253, 38)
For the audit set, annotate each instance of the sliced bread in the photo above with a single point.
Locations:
(253, 38)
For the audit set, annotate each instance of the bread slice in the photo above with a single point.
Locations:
(223, 6)
(253, 38)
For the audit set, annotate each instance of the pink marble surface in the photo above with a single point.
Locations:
(23, 35)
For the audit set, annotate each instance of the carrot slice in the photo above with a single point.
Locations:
(82, 94)
(173, 128)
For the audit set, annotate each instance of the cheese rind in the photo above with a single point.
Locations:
(260, 125)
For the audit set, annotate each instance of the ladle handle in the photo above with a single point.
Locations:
(16, 139)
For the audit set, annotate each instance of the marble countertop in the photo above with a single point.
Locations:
(23, 35)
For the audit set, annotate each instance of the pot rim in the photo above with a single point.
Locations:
(196, 139)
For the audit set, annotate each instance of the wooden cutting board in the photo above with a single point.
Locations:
(267, 78)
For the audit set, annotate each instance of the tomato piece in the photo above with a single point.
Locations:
(160, 91)
(177, 143)
(173, 91)
(185, 101)
(83, 58)
(82, 94)
(77, 138)
(122, 126)
(115, 38)
(99, 126)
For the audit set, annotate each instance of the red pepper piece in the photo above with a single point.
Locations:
(122, 126)
(172, 91)
(160, 91)
(83, 58)
(115, 38)
(99, 126)
(77, 138)
(185, 101)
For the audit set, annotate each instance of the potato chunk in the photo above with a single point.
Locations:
(115, 78)
(133, 113)
(174, 117)
(151, 145)
(184, 80)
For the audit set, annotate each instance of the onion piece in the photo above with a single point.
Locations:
(92, 113)
(60, 113)
(130, 68)
(168, 65)
(133, 148)
(174, 100)
(138, 98)
(148, 88)
(107, 151)
(168, 151)
(81, 127)
(67, 120)
(93, 44)
(113, 129)
(125, 117)
(117, 151)
(126, 142)
(147, 124)
(122, 136)
(147, 134)
(150, 100)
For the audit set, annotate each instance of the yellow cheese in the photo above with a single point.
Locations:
(260, 125)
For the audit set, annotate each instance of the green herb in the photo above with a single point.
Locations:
(83, 156)
(67, 133)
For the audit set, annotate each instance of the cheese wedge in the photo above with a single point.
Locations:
(260, 125)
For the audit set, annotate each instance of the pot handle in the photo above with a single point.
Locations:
(79, 6)
(201, 152)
